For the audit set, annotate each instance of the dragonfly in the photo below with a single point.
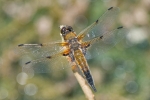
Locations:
(96, 38)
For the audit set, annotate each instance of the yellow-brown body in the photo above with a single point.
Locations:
(76, 51)
(80, 60)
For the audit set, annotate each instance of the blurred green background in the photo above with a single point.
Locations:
(122, 73)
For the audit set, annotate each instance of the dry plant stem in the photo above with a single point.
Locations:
(84, 85)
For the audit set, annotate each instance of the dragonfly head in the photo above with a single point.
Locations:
(67, 32)
(64, 29)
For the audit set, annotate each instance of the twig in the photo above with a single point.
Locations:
(83, 83)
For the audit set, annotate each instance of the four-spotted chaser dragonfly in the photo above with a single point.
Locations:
(75, 46)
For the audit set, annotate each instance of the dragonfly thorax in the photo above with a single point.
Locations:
(74, 43)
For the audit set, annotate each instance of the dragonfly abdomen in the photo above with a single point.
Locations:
(89, 79)
(81, 61)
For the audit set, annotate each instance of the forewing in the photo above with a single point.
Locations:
(104, 24)
(40, 50)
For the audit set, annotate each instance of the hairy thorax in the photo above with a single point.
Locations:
(74, 44)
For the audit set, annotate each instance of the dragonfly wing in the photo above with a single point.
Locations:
(35, 57)
(104, 42)
(41, 50)
(47, 64)
(104, 24)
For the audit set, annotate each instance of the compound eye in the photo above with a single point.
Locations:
(69, 28)
(63, 30)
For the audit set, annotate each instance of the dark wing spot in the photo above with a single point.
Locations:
(120, 27)
(65, 54)
(101, 37)
(28, 62)
(87, 45)
(48, 57)
(110, 8)
(96, 21)
(20, 45)
(41, 44)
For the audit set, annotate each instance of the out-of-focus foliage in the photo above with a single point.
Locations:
(122, 73)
